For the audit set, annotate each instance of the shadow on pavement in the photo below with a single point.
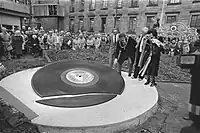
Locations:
(191, 129)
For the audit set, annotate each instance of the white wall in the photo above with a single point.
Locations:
(9, 20)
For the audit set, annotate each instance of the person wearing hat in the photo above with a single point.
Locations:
(113, 38)
(152, 57)
(140, 47)
(17, 42)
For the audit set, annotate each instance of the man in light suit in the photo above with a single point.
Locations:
(139, 50)
(113, 38)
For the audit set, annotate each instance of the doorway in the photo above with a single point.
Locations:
(103, 24)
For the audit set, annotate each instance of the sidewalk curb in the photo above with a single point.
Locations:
(177, 82)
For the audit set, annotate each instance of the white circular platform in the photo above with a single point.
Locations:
(136, 104)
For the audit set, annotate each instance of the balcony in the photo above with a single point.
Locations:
(48, 10)
(14, 7)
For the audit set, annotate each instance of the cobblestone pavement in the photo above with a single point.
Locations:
(173, 106)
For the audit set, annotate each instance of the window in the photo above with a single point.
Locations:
(91, 24)
(104, 4)
(196, 1)
(171, 19)
(132, 23)
(119, 4)
(174, 1)
(72, 9)
(16, 27)
(82, 2)
(149, 21)
(81, 24)
(153, 2)
(195, 21)
(20, 1)
(52, 10)
(8, 27)
(103, 24)
(134, 3)
(92, 5)
(117, 22)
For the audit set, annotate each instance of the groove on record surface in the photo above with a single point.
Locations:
(76, 102)
(48, 81)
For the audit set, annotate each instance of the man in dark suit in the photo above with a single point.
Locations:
(125, 49)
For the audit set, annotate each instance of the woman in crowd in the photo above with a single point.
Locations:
(90, 42)
(44, 41)
(97, 41)
(67, 41)
(81, 41)
(75, 42)
(17, 42)
(58, 41)
(51, 40)
(36, 49)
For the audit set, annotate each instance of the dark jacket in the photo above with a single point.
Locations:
(128, 50)
(17, 42)
(155, 59)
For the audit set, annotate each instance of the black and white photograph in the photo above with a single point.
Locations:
(99, 66)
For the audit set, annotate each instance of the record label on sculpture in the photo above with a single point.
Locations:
(79, 77)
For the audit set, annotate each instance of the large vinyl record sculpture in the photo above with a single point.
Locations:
(74, 84)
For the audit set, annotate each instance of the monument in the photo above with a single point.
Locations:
(79, 96)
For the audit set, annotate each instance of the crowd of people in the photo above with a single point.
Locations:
(31, 41)
(136, 48)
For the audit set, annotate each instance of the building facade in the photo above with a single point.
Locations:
(13, 13)
(49, 14)
(126, 15)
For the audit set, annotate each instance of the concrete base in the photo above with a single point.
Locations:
(136, 104)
